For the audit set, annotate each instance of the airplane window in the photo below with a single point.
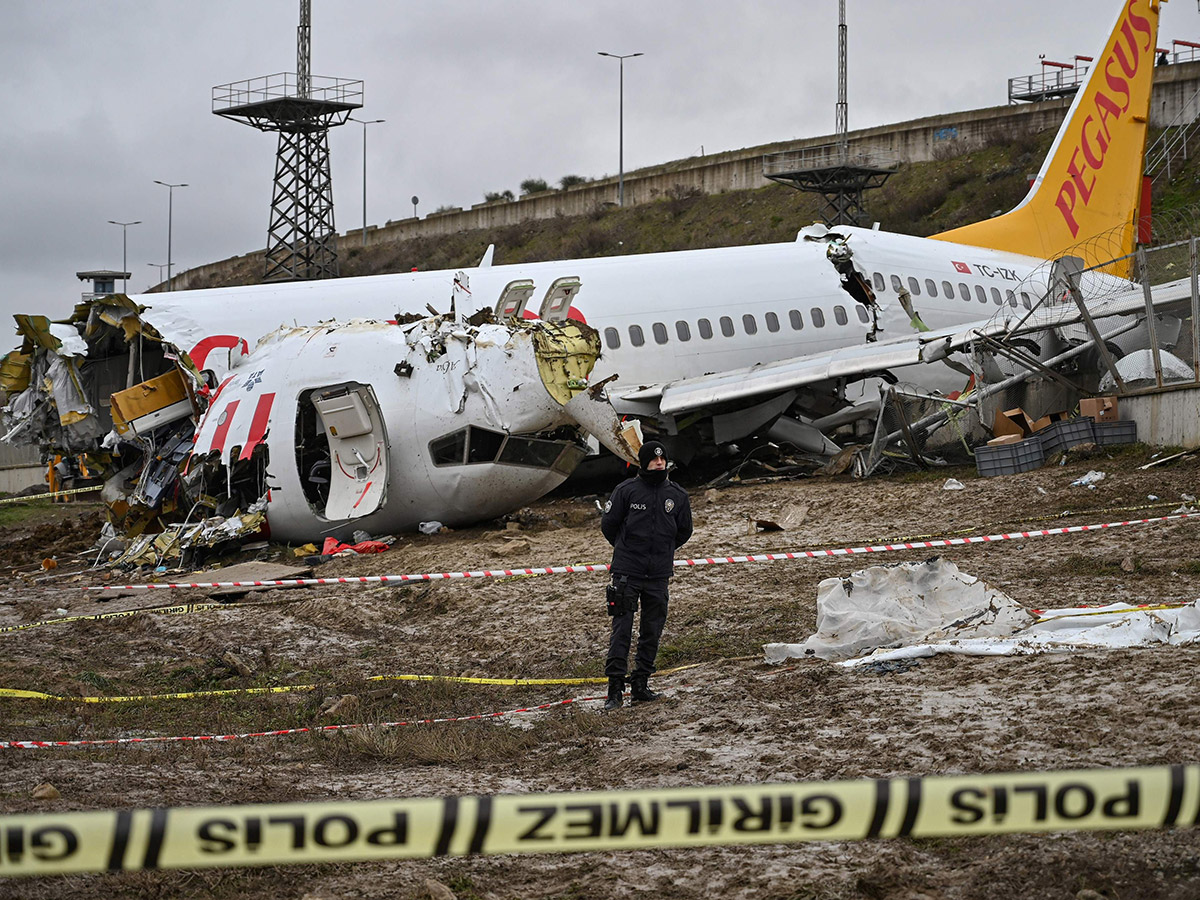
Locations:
(930, 287)
(863, 316)
(772, 322)
(612, 337)
(749, 324)
(980, 293)
(483, 445)
(1025, 300)
(818, 317)
(705, 327)
(896, 285)
(1011, 298)
(684, 332)
(914, 286)
(964, 291)
(839, 313)
(948, 290)
(571, 457)
(449, 449)
(530, 452)
(660, 332)
(878, 279)
(635, 335)
(796, 319)
(996, 298)
(726, 326)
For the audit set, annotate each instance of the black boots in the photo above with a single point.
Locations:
(616, 687)
(639, 691)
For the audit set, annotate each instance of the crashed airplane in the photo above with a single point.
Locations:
(711, 346)
(323, 430)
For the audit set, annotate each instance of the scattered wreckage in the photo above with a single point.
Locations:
(322, 430)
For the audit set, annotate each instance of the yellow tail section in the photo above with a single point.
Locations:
(1086, 198)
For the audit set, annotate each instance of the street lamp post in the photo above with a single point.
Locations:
(364, 123)
(621, 138)
(160, 267)
(124, 247)
(170, 217)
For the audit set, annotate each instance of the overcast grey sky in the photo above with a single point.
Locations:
(100, 99)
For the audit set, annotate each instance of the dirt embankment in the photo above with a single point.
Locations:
(733, 719)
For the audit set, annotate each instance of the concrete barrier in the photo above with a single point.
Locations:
(919, 140)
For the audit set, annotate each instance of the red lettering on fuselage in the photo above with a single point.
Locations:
(1086, 158)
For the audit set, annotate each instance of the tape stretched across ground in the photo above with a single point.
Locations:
(679, 563)
(52, 494)
(943, 806)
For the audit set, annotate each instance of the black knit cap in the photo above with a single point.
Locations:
(651, 450)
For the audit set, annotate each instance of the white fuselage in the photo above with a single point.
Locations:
(751, 297)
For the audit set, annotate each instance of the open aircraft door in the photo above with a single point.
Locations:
(557, 303)
(513, 298)
(358, 450)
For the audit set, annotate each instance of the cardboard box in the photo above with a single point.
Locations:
(1011, 421)
(1099, 409)
(1046, 421)
(151, 403)
(1005, 439)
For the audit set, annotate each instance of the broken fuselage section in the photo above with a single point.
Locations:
(329, 429)
(380, 427)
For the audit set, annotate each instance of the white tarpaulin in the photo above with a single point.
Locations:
(901, 604)
(920, 609)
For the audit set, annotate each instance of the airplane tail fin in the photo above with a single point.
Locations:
(1087, 197)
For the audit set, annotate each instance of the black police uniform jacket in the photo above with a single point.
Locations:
(646, 524)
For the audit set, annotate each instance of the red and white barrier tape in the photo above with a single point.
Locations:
(679, 563)
(282, 732)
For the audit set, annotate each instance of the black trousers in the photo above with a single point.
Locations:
(652, 595)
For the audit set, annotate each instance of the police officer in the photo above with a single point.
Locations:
(646, 520)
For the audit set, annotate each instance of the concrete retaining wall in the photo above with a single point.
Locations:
(919, 140)
(1170, 418)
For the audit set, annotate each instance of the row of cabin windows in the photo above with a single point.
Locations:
(473, 445)
(683, 330)
(964, 292)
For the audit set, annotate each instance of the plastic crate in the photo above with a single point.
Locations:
(1115, 432)
(1008, 459)
(1065, 433)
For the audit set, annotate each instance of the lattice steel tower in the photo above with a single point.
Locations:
(301, 237)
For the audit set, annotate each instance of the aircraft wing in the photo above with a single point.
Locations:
(753, 383)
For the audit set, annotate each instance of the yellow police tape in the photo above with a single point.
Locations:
(84, 490)
(19, 694)
(265, 834)
(173, 610)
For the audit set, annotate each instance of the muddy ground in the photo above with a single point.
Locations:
(732, 719)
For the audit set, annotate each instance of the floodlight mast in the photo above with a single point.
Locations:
(301, 108)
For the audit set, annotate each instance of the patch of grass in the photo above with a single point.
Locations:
(1107, 566)
(700, 645)
(95, 680)
(19, 513)
(464, 887)
(450, 744)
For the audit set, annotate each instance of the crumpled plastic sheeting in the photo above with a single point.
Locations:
(1137, 370)
(900, 605)
(51, 407)
(72, 406)
(1112, 627)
